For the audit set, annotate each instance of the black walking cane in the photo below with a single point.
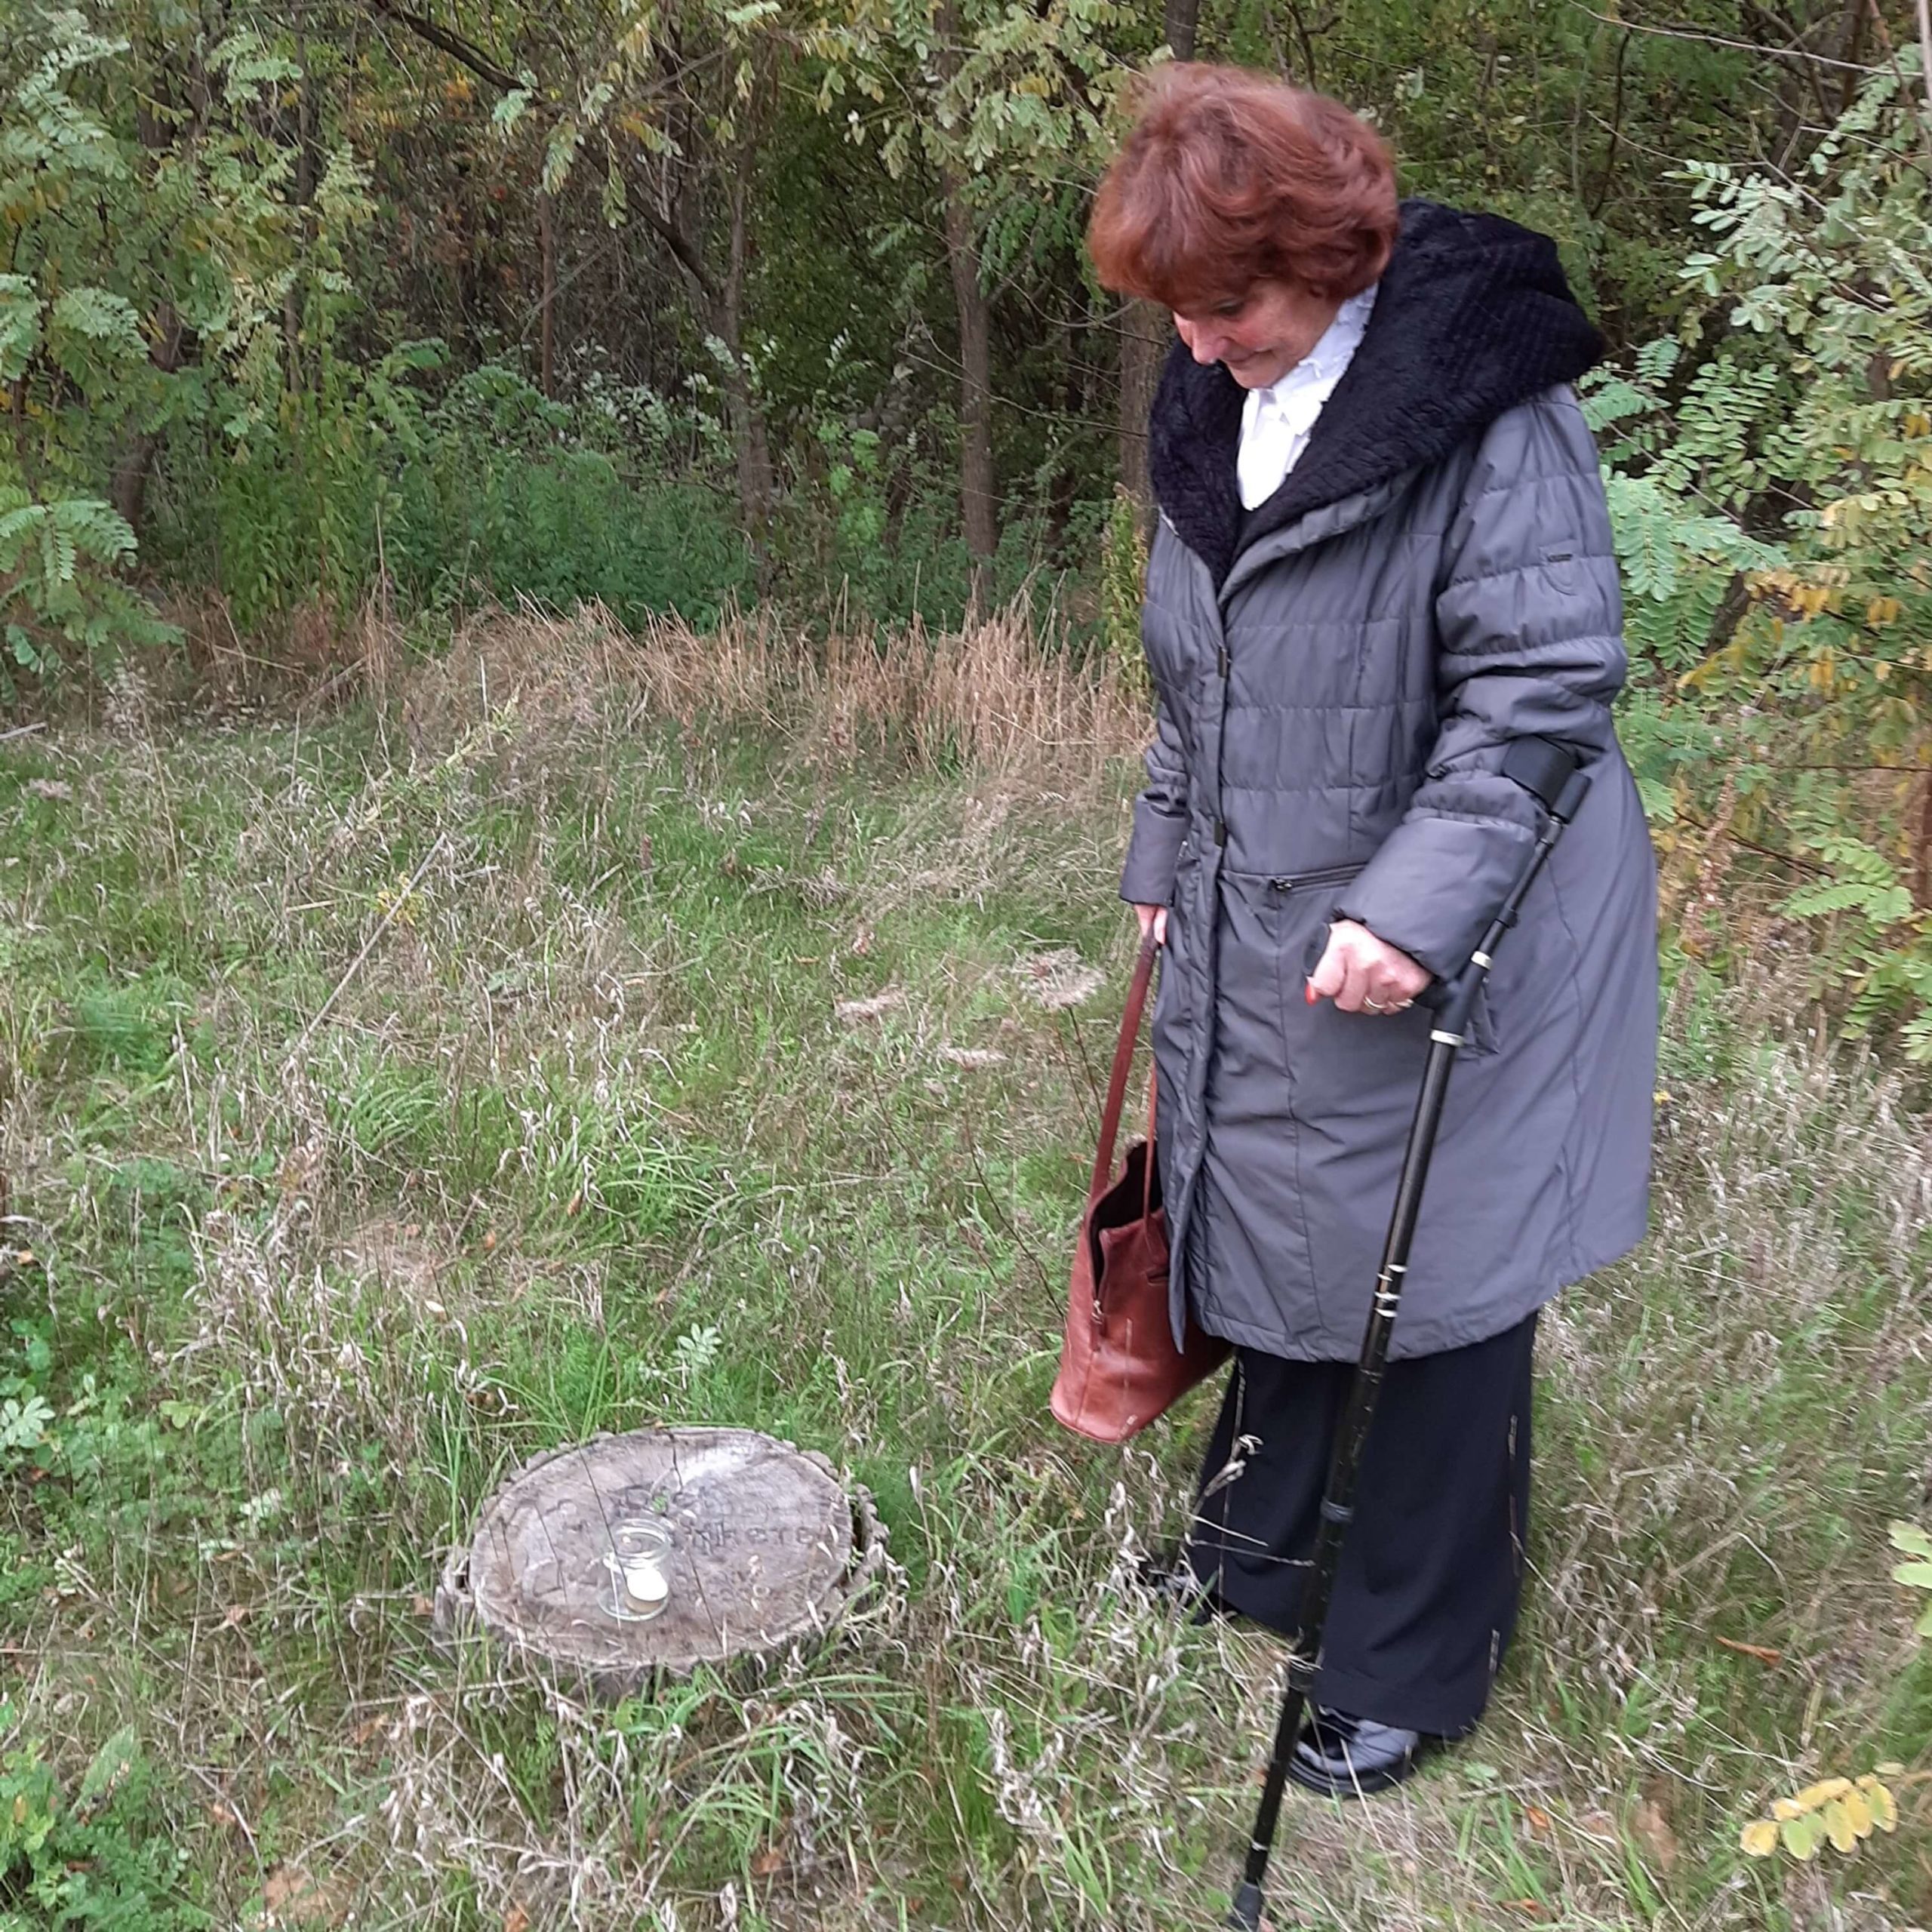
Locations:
(1552, 774)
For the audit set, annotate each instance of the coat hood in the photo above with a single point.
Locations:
(1473, 316)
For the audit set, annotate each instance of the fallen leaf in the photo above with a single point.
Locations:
(1651, 1829)
(368, 1730)
(290, 1897)
(1838, 1827)
(235, 1616)
(1858, 1812)
(1538, 1819)
(223, 1815)
(490, 1242)
(1884, 1811)
(516, 1920)
(1822, 1792)
(1759, 1838)
(1529, 1908)
(1802, 1835)
(420, 1606)
(767, 1862)
(1762, 1652)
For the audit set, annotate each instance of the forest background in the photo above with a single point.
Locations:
(568, 690)
(686, 306)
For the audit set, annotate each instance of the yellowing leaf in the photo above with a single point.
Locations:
(1822, 1792)
(1759, 1838)
(1858, 1811)
(1837, 1825)
(1885, 1807)
(1787, 1807)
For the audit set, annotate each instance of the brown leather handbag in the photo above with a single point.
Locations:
(1118, 1366)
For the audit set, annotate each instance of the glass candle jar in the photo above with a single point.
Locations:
(640, 1586)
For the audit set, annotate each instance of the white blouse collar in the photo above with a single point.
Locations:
(1277, 421)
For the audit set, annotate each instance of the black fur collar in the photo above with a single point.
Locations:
(1473, 316)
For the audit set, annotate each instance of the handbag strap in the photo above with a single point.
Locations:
(1147, 1166)
(1130, 1032)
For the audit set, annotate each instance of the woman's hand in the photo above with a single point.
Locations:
(1154, 919)
(1361, 974)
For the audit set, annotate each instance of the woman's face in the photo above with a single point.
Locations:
(1259, 337)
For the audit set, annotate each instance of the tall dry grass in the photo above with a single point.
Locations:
(999, 694)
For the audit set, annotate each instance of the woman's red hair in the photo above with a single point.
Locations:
(1230, 177)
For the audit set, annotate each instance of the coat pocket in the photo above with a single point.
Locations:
(1307, 915)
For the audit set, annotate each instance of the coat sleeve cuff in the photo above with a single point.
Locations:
(1435, 884)
(1153, 855)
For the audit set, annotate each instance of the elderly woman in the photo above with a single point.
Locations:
(1383, 555)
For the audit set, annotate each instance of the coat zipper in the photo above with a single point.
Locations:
(1327, 876)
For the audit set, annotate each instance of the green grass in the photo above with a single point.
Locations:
(585, 1142)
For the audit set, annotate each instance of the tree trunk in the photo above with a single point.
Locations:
(132, 464)
(546, 249)
(978, 495)
(978, 486)
(752, 447)
(1145, 333)
(1144, 336)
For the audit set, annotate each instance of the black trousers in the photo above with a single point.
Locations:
(1431, 1567)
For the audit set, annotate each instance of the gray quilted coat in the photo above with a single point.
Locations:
(1340, 672)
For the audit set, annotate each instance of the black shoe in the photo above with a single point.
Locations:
(1345, 1757)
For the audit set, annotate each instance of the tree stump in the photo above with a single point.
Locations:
(627, 1555)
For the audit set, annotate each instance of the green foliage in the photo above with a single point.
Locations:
(486, 489)
(26, 1415)
(57, 558)
(159, 278)
(100, 1859)
(1123, 576)
(1773, 512)
(1916, 1572)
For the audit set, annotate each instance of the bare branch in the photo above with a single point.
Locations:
(1723, 40)
(459, 50)
(680, 244)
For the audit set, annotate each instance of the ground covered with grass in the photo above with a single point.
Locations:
(535, 1047)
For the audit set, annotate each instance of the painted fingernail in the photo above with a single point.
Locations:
(1311, 995)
